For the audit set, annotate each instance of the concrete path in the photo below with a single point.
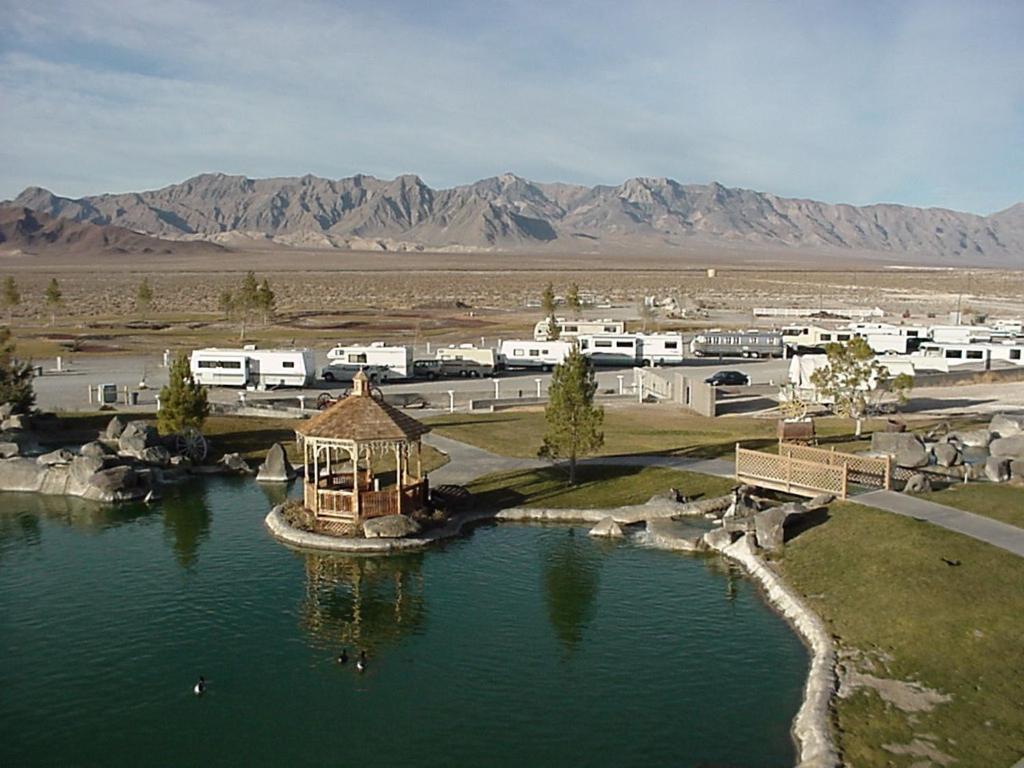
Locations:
(468, 462)
(1002, 535)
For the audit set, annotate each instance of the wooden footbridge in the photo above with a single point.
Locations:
(808, 471)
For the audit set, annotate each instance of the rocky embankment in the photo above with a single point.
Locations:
(126, 462)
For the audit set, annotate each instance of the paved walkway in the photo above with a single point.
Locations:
(994, 532)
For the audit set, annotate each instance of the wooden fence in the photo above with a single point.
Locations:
(871, 471)
(792, 475)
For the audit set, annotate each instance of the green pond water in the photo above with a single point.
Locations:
(515, 645)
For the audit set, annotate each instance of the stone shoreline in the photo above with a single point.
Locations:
(811, 726)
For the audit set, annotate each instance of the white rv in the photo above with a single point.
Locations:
(571, 329)
(475, 361)
(802, 339)
(661, 348)
(959, 334)
(533, 354)
(611, 348)
(942, 357)
(390, 362)
(250, 366)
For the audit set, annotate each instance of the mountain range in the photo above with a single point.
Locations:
(509, 213)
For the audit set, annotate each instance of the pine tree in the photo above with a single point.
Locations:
(266, 301)
(572, 299)
(143, 297)
(15, 377)
(226, 303)
(547, 300)
(183, 402)
(573, 421)
(12, 297)
(54, 299)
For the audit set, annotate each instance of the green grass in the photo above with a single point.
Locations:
(1000, 502)
(880, 583)
(597, 486)
(658, 429)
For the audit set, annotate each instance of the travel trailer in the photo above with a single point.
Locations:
(545, 355)
(718, 343)
(810, 339)
(570, 329)
(611, 348)
(391, 362)
(254, 367)
(661, 348)
(475, 361)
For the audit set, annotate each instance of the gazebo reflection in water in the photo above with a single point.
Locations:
(363, 459)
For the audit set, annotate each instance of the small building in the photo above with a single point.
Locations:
(350, 448)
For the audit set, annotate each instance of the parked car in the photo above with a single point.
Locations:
(427, 369)
(728, 378)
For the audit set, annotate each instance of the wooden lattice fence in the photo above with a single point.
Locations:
(871, 471)
(789, 474)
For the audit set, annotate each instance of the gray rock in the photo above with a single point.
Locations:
(918, 483)
(235, 463)
(95, 449)
(1006, 425)
(9, 450)
(84, 467)
(155, 456)
(946, 454)
(15, 421)
(607, 527)
(6, 409)
(20, 474)
(819, 501)
(1009, 447)
(114, 480)
(973, 438)
(276, 468)
(974, 455)
(114, 428)
(1017, 469)
(906, 448)
(59, 456)
(997, 469)
(390, 527)
(768, 527)
(718, 539)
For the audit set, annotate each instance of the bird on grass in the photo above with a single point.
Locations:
(947, 561)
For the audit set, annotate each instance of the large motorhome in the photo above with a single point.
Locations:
(571, 329)
(391, 362)
(517, 353)
(718, 343)
(811, 339)
(475, 361)
(254, 367)
(611, 348)
(661, 348)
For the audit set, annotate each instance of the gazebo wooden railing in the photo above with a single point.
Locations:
(340, 504)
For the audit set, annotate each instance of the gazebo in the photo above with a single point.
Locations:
(341, 448)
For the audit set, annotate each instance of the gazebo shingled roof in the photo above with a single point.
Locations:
(362, 418)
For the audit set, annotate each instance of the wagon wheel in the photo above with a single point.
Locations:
(324, 400)
(377, 394)
(190, 442)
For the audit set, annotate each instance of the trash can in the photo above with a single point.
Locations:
(135, 398)
(108, 394)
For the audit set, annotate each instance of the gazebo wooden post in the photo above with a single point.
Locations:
(399, 470)
(355, 480)
(419, 461)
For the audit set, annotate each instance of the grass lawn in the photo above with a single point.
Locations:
(1000, 502)
(879, 582)
(597, 487)
(637, 429)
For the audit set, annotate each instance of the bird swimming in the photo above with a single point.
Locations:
(343, 656)
(361, 664)
(200, 687)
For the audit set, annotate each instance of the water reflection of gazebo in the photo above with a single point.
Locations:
(342, 447)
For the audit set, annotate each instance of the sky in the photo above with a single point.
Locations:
(912, 102)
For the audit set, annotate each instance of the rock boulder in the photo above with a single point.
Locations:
(114, 428)
(946, 454)
(235, 463)
(155, 456)
(1006, 425)
(96, 449)
(970, 438)
(918, 483)
(906, 448)
(9, 450)
(718, 539)
(390, 527)
(16, 421)
(997, 469)
(59, 456)
(769, 526)
(115, 480)
(276, 468)
(1009, 447)
(607, 528)
(84, 467)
